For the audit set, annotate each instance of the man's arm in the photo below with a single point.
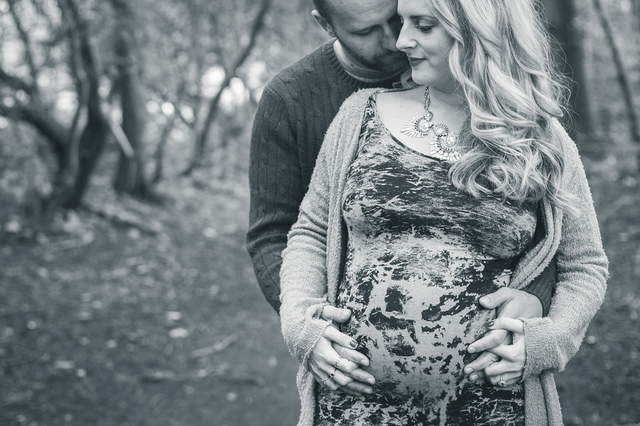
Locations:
(276, 191)
(543, 287)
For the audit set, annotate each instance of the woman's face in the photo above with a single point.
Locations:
(426, 44)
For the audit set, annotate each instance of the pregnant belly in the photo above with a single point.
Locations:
(416, 334)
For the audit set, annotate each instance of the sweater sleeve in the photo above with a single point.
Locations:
(582, 271)
(276, 190)
(304, 269)
(543, 287)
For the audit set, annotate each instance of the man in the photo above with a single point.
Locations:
(294, 113)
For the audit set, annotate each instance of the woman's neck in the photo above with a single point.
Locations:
(454, 98)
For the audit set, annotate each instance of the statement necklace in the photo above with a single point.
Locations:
(445, 143)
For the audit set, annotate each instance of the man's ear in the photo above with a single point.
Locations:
(323, 23)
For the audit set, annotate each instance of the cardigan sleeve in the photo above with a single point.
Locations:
(582, 271)
(276, 191)
(304, 269)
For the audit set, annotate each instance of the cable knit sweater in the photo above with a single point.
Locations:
(295, 111)
(314, 257)
(292, 118)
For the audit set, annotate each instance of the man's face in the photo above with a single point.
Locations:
(368, 30)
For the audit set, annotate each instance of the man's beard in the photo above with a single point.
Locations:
(388, 66)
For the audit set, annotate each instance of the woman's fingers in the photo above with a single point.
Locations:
(342, 339)
(488, 341)
(505, 379)
(501, 363)
(334, 371)
(475, 368)
(514, 353)
(351, 355)
(339, 380)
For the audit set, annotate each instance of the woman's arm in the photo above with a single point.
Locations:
(303, 275)
(582, 271)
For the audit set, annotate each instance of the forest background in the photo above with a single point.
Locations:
(126, 294)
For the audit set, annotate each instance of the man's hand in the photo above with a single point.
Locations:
(509, 303)
(335, 363)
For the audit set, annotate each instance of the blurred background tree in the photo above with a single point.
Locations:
(141, 76)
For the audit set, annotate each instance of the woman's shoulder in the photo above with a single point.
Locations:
(566, 142)
(363, 95)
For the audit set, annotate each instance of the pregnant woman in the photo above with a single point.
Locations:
(424, 199)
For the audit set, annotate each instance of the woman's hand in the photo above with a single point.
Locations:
(504, 364)
(509, 303)
(335, 363)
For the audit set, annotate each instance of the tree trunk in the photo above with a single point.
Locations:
(561, 16)
(94, 134)
(130, 173)
(621, 74)
(92, 142)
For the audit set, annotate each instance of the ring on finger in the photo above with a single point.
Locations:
(502, 383)
(325, 379)
(335, 364)
(332, 374)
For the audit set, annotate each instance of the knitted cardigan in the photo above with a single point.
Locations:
(314, 258)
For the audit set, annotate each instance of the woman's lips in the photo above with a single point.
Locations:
(415, 61)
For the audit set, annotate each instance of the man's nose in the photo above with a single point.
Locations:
(390, 38)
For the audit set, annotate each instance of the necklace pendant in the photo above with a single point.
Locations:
(445, 147)
(418, 127)
(444, 144)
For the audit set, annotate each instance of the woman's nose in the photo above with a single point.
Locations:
(404, 40)
(390, 38)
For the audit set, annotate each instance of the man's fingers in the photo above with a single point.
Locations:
(509, 324)
(495, 299)
(357, 388)
(362, 376)
(331, 313)
(488, 341)
(512, 303)
(349, 391)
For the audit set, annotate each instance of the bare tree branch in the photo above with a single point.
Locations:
(24, 37)
(16, 82)
(38, 118)
(214, 105)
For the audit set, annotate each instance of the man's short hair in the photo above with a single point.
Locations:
(324, 8)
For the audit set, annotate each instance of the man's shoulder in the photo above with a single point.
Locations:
(317, 64)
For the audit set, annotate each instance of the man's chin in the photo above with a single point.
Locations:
(393, 65)
(394, 68)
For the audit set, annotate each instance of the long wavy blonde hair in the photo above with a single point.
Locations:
(502, 59)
